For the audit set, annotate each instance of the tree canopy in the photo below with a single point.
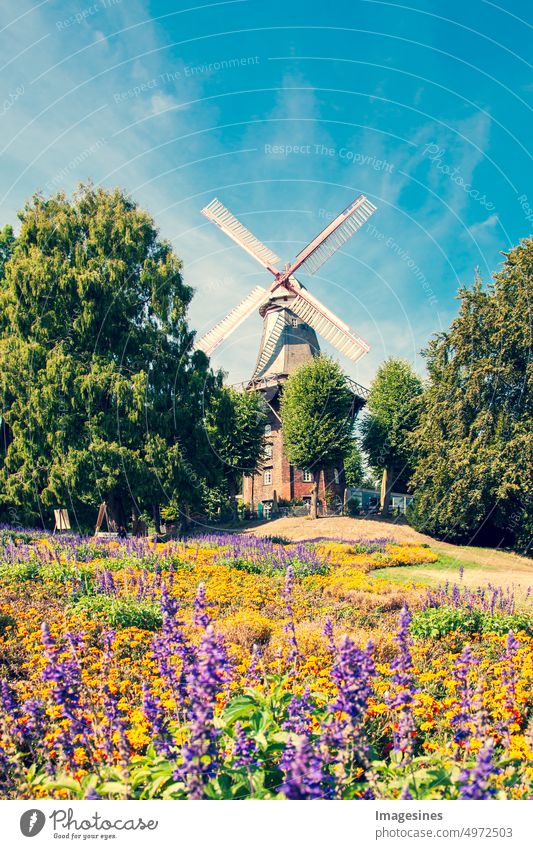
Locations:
(101, 394)
(236, 430)
(474, 442)
(316, 415)
(392, 409)
(354, 471)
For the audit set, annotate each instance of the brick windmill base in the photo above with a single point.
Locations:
(287, 343)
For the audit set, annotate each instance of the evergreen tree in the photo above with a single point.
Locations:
(474, 443)
(7, 244)
(392, 409)
(101, 394)
(317, 418)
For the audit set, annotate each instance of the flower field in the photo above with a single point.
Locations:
(232, 667)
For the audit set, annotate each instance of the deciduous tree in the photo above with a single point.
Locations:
(391, 416)
(317, 418)
(236, 429)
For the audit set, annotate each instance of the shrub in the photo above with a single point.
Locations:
(300, 568)
(88, 551)
(13, 535)
(437, 622)
(125, 612)
(15, 572)
(353, 506)
(246, 628)
(502, 623)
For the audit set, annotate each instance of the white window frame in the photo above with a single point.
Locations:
(267, 477)
(269, 450)
(307, 476)
(268, 429)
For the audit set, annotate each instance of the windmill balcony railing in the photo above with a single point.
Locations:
(274, 379)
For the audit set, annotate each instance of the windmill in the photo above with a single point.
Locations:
(292, 317)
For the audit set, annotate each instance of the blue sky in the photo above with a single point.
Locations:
(286, 111)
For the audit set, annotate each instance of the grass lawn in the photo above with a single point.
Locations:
(447, 568)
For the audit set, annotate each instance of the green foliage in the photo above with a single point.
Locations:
(7, 534)
(99, 388)
(6, 621)
(87, 551)
(437, 622)
(55, 572)
(474, 441)
(354, 471)
(392, 409)
(121, 612)
(316, 412)
(236, 429)
(7, 244)
(300, 568)
(353, 506)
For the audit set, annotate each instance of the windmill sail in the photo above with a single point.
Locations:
(334, 236)
(233, 228)
(269, 349)
(222, 330)
(329, 326)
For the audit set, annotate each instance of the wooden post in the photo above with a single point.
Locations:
(386, 489)
(102, 514)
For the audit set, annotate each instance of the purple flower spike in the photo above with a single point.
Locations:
(201, 617)
(64, 672)
(467, 697)
(404, 679)
(206, 675)
(253, 675)
(353, 673)
(289, 628)
(475, 783)
(304, 774)
(510, 679)
(245, 751)
(162, 738)
(329, 634)
(298, 713)
(8, 700)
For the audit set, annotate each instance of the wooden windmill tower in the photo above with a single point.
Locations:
(292, 317)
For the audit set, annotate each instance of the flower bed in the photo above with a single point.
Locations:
(133, 670)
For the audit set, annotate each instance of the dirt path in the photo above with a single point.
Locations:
(339, 527)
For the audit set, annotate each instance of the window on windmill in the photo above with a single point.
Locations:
(267, 476)
(294, 321)
(268, 451)
(268, 429)
(307, 476)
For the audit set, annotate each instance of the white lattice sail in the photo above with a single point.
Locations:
(222, 330)
(233, 228)
(329, 326)
(335, 235)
